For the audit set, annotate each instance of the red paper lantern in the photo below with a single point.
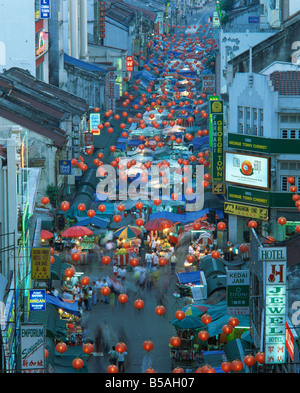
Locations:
(252, 224)
(298, 228)
(139, 304)
(281, 220)
(162, 261)
(226, 367)
(270, 240)
(77, 363)
(81, 207)
(123, 298)
(190, 258)
(91, 213)
(121, 347)
(121, 207)
(249, 360)
(203, 335)
(233, 321)
(61, 347)
(139, 222)
(112, 369)
(148, 345)
(237, 365)
(85, 280)
(139, 205)
(45, 200)
(46, 352)
(180, 315)
(290, 180)
(117, 218)
(105, 291)
(206, 319)
(178, 370)
(293, 189)
(157, 202)
(106, 260)
(150, 371)
(260, 357)
(215, 254)
(243, 248)
(160, 310)
(227, 329)
(101, 208)
(69, 272)
(221, 226)
(175, 341)
(88, 348)
(76, 256)
(65, 206)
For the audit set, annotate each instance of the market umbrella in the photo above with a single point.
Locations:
(46, 234)
(156, 224)
(128, 232)
(194, 310)
(77, 231)
(189, 322)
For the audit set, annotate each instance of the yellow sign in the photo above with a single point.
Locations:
(248, 211)
(40, 263)
(218, 188)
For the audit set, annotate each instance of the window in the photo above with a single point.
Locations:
(286, 133)
(240, 119)
(285, 186)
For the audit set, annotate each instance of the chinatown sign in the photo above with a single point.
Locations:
(274, 259)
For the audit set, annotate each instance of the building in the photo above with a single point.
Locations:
(28, 50)
(54, 118)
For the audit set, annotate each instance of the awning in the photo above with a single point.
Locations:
(185, 218)
(47, 318)
(189, 277)
(57, 302)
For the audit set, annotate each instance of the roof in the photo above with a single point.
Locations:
(287, 83)
(36, 105)
(84, 64)
(124, 12)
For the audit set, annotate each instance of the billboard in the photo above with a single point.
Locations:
(238, 292)
(217, 131)
(32, 348)
(253, 212)
(247, 170)
(40, 263)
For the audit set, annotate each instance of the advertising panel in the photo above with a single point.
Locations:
(37, 300)
(247, 170)
(40, 263)
(217, 130)
(32, 348)
(238, 292)
(94, 122)
(253, 212)
(274, 259)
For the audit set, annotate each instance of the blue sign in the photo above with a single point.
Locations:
(65, 167)
(253, 19)
(37, 300)
(44, 9)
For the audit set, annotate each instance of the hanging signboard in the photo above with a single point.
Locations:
(129, 63)
(208, 83)
(253, 212)
(45, 9)
(238, 293)
(94, 122)
(65, 167)
(217, 131)
(32, 348)
(274, 259)
(40, 263)
(102, 18)
(37, 300)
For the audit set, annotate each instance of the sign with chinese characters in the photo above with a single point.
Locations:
(238, 299)
(208, 83)
(237, 209)
(94, 122)
(129, 63)
(217, 130)
(32, 348)
(37, 300)
(110, 91)
(102, 18)
(40, 263)
(274, 259)
(65, 167)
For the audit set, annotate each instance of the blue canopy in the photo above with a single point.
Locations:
(185, 218)
(193, 277)
(121, 146)
(97, 221)
(201, 141)
(58, 302)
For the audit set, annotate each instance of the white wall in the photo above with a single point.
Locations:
(115, 36)
(17, 34)
(294, 6)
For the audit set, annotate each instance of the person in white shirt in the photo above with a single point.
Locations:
(155, 259)
(98, 285)
(154, 244)
(149, 258)
(191, 249)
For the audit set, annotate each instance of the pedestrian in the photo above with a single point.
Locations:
(104, 299)
(90, 293)
(121, 360)
(94, 293)
(155, 259)
(154, 244)
(149, 259)
(98, 287)
(113, 356)
(173, 263)
(191, 249)
(85, 293)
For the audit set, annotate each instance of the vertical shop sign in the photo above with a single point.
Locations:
(129, 63)
(94, 122)
(102, 19)
(275, 303)
(238, 292)
(110, 91)
(32, 348)
(217, 131)
(40, 263)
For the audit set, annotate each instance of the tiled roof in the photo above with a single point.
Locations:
(286, 83)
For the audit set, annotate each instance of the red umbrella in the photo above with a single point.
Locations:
(46, 234)
(156, 224)
(77, 231)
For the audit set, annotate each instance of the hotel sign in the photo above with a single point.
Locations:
(275, 303)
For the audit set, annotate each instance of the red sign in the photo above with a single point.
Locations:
(289, 341)
(129, 63)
